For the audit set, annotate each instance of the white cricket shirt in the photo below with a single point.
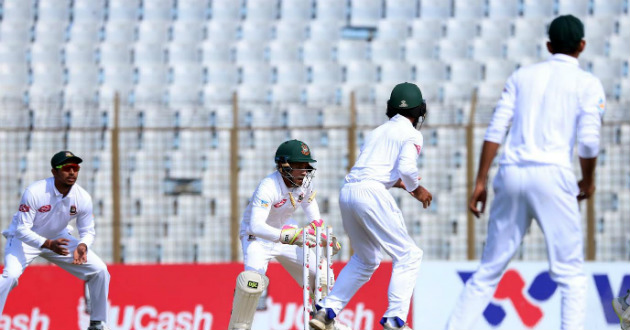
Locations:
(272, 205)
(390, 152)
(44, 214)
(549, 105)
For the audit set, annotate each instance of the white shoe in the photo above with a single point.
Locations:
(386, 326)
(623, 312)
(101, 326)
(320, 321)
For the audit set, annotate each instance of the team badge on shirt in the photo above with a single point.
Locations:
(280, 203)
(418, 148)
(602, 106)
(44, 209)
(24, 208)
(73, 210)
(301, 198)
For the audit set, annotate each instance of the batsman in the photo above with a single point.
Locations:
(269, 231)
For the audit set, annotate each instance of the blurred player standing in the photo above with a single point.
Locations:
(371, 217)
(548, 105)
(39, 229)
(268, 231)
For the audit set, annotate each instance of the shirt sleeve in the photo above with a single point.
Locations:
(25, 217)
(85, 223)
(261, 206)
(592, 107)
(310, 207)
(503, 113)
(407, 163)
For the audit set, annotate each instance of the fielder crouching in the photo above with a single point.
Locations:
(39, 228)
(268, 231)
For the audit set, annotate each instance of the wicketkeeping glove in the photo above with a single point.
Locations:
(293, 235)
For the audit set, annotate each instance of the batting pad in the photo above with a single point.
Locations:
(249, 286)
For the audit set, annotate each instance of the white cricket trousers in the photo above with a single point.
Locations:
(546, 193)
(18, 255)
(372, 220)
(257, 253)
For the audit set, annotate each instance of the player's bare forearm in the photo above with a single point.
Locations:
(587, 184)
(488, 152)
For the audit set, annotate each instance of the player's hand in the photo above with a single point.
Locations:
(479, 196)
(335, 245)
(423, 196)
(80, 254)
(401, 184)
(293, 235)
(587, 189)
(59, 246)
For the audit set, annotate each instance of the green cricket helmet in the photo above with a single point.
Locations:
(294, 151)
(406, 100)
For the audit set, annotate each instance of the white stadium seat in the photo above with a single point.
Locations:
(618, 46)
(183, 53)
(153, 32)
(256, 31)
(449, 50)
(250, 52)
(578, 8)
(537, 8)
(260, 10)
(123, 10)
(222, 74)
(425, 29)
(114, 53)
(460, 29)
(188, 31)
(325, 30)
(53, 10)
(50, 32)
(494, 29)
(393, 30)
(149, 53)
(352, 50)
(189, 74)
(192, 10)
(418, 51)
(333, 10)
(256, 73)
(46, 53)
(497, 70)
(85, 32)
(290, 31)
(283, 51)
(359, 72)
(324, 73)
(290, 73)
(394, 72)
(401, 10)
(435, 9)
(317, 51)
(157, 10)
(463, 71)
(365, 12)
(386, 50)
(12, 54)
(529, 28)
(225, 31)
(609, 7)
(217, 52)
(213, 94)
(88, 11)
(15, 32)
(429, 71)
(226, 10)
(469, 9)
(120, 32)
(485, 49)
(82, 81)
(296, 11)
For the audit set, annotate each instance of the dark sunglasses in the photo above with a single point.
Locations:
(68, 167)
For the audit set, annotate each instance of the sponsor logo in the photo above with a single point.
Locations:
(262, 202)
(305, 150)
(73, 210)
(44, 209)
(24, 208)
(36, 320)
(605, 292)
(301, 198)
(252, 284)
(280, 203)
(511, 288)
(149, 317)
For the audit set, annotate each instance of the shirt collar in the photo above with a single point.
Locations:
(399, 117)
(564, 58)
(57, 193)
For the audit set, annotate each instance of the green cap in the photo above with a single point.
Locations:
(294, 151)
(405, 96)
(64, 157)
(566, 30)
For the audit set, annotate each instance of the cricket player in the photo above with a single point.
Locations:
(39, 229)
(620, 305)
(544, 109)
(371, 217)
(269, 231)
